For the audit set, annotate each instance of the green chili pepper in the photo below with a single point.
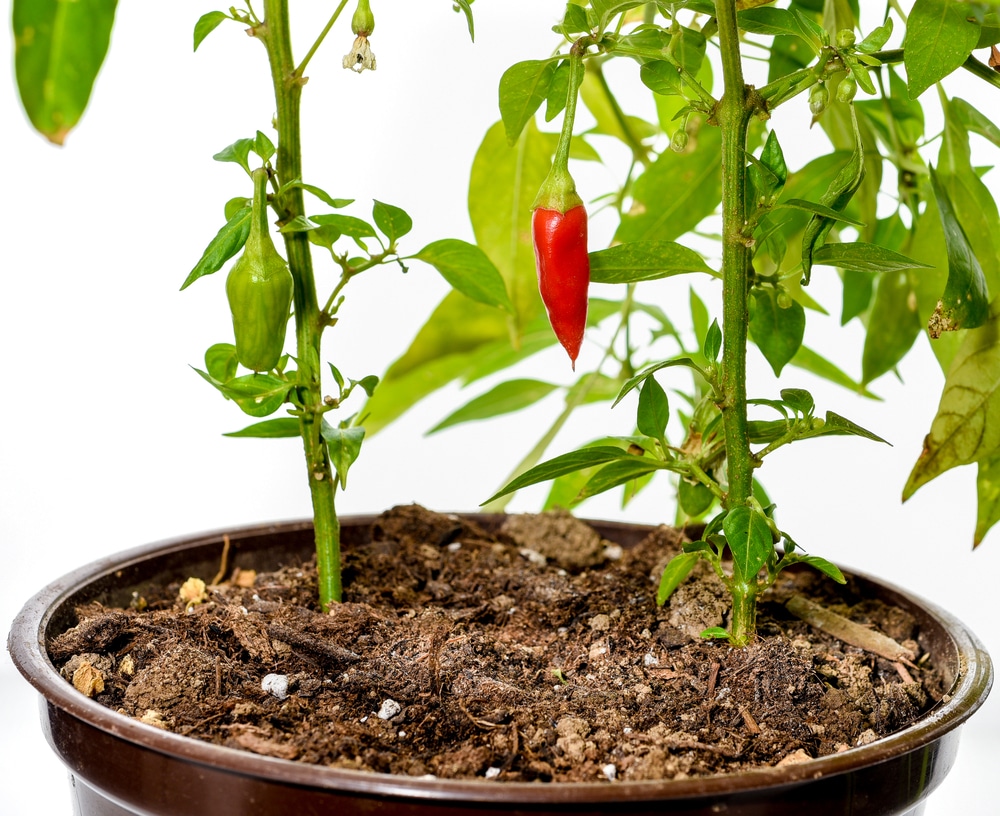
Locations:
(259, 289)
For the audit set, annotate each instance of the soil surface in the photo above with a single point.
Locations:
(534, 654)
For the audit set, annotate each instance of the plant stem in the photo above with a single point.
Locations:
(733, 114)
(308, 326)
(319, 40)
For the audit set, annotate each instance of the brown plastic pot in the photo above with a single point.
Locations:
(120, 766)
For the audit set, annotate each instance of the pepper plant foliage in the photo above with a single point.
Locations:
(59, 48)
(896, 212)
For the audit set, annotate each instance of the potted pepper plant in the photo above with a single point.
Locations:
(778, 221)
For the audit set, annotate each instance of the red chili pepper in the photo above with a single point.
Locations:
(563, 266)
(559, 233)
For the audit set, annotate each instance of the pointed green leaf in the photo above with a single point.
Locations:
(975, 121)
(694, 497)
(281, 428)
(567, 463)
(654, 410)
(465, 6)
(819, 210)
(988, 498)
(206, 24)
(322, 195)
(344, 445)
(777, 331)
(393, 221)
(505, 398)
(678, 568)
(675, 193)
(713, 342)
(863, 257)
(829, 569)
(263, 146)
(644, 260)
(468, 269)
(58, 51)
(965, 301)
(769, 173)
(238, 153)
(618, 473)
(966, 428)
(639, 378)
(749, 538)
(348, 225)
(228, 241)
(258, 395)
(221, 361)
(893, 325)
(940, 35)
(661, 77)
(878, 37)
(523, 88)
(837, 425)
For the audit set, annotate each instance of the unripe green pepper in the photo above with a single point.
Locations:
(363, 21)
(259, 289)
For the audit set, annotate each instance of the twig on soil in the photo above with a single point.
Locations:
(749, 721)
(713, 676)
(854, 634)
(223, 564)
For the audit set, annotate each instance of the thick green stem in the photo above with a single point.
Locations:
(733, 115)
(308, 326)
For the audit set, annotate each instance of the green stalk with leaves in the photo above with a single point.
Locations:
(60, 48)
(715, 156)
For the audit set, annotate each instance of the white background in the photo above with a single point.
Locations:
(111, 440)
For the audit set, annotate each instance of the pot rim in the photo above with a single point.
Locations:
(26, 644)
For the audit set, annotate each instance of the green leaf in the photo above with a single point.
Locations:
(644, 260)
(468, 269)
(504, 398)
(772, 22)
(837, 425)
(639, 378)
(966, 428)
(281, 428)
(965, 301)
(462, 336)
(777, 331)
(675, 193)
(836, 197)
(228, 241)
(769, 173)
(939, 37)
(574, 21)
(322, 195)
(355, 228)
(465, 6)
(715, 633)
(206, 24)
(368, 384)
(820, 210)
(263, 146)
(393, 221)
(618, 473)
(678, 568)
(344, 445)
(821, 564)
(258, 395)
(713, 342)
(58, 51)
(238, 153)
(607, 9)
(975, 121)
(298, 224)
(221, 361)
(654, 410)
(694, 497)
(566, 463)
(878, 37)
(661, 77)
(555, 102)
(988, 498)
(523, 88)
(749, 538)
(863, 257)
(893, 325)
(798, 399)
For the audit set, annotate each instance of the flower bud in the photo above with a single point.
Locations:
(845, 38)
(847, 89)
(819, 98)
(679, 141)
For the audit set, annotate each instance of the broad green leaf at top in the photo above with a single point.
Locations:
(940, 35)
(59, 48)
